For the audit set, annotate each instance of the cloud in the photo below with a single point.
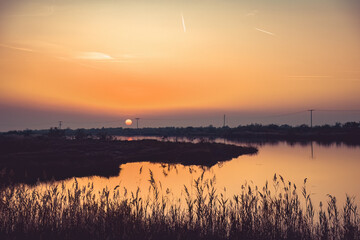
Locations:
(252, 13)
(103, 57)
(16, 48)
(63, 53)
(263, 31)
(95, 56)
(77, 62)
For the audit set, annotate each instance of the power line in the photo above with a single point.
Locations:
(338, 110)
(281, 115)
(30, 124)
(171, 119)
(120, 120)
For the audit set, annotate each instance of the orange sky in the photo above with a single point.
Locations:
(137, 57)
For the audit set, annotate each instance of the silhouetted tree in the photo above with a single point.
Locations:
(80, 134)
(56, 133)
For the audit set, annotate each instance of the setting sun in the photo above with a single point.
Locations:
(128, 122)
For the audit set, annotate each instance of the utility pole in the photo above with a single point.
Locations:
(311, 111)
(60, 123)
(137, 123)
(224, 120)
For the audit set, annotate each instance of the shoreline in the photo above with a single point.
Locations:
(29, 159)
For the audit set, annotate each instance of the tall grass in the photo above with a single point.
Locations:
(272, 212)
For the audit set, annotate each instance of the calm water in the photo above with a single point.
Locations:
(330, 170)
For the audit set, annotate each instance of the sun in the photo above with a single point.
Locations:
(128, 122)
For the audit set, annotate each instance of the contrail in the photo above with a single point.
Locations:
(183, 22)
(16, 48)
(261, 30)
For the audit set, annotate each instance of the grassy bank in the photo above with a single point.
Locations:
(276, 211)
(28, 159)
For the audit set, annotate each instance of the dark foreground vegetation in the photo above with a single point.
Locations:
(347, 133)
(258, 214)
(29, 159)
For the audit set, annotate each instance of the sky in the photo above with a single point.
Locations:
(178, 62)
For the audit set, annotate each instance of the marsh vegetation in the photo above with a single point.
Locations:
(278, 210)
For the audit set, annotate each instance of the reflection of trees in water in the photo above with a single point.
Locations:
(167, 169)
(220, 164)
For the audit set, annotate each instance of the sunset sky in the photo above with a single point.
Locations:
(84, 61)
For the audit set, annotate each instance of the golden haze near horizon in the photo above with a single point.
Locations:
(142, 56)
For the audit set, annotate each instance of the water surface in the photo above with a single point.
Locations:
(330, 169)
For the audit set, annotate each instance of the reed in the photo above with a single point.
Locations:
(275, 211)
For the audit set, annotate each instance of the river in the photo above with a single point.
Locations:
(332, 169)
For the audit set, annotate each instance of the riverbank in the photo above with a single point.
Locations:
(29, 159)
